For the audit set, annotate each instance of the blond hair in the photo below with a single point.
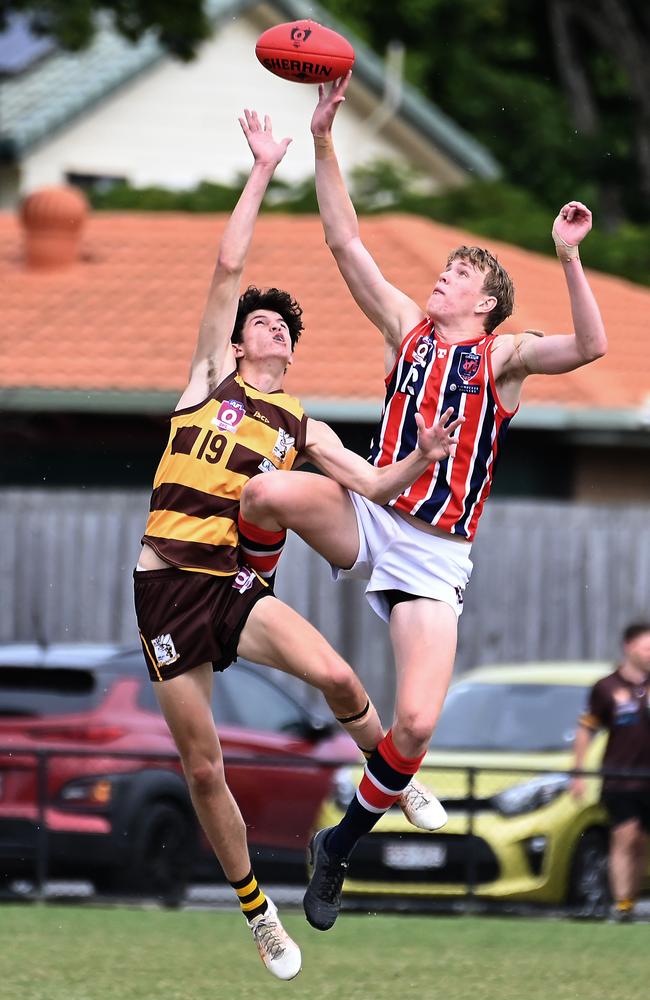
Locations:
(497, 282)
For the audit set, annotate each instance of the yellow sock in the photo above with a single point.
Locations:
(251, 898)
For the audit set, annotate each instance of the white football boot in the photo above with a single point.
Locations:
(421, 807)
(279, 953)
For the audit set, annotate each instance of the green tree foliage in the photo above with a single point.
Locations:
(179, 24)
(490, 209)
(558, 90)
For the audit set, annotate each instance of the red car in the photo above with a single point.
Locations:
(122, 818)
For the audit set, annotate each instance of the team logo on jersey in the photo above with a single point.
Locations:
(244, 580)
(442, 353)
(283, 444)
(468, 365)
(163, 647)
(229, 416)
(266, 465)
(422, 351)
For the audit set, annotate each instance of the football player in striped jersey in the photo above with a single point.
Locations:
(415, 551)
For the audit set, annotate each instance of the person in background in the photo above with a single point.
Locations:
(620, 703)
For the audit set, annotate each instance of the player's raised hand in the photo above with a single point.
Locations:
(438, 441)
(570, 228)
(264, 147)
(329, 101)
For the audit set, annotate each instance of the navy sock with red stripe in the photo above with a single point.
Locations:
(261, 549)
(385, 777)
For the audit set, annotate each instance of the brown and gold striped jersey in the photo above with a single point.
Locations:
(214, 448)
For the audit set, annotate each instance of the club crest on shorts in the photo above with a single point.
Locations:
(163, 647)
(244, 580)
(283, 445)
(229, 416)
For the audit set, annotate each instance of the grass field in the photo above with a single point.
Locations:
(53, 952)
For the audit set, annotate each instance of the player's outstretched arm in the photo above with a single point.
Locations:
(213, 356)
(325, 449)
(391, 311)
(553, 355)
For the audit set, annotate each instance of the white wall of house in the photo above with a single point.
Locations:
(176, 124)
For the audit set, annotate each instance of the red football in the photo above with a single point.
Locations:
(305, 52)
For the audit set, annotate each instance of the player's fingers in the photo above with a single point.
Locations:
(244, 126)
(446, 416)
(321, 92)
(286, 142)
(455, 424)
(267, 124)
(419, 420)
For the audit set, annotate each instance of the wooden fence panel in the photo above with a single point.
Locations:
(550, 581)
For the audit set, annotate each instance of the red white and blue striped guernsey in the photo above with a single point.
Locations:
(429, 376)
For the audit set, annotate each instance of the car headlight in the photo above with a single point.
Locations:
(343, 787)
(92, 792)
(530, 795)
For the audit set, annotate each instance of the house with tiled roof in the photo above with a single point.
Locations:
(119, 111)
(100, 315)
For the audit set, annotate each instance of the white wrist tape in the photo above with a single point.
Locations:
(564, 250)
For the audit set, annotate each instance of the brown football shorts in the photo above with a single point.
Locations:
(186, 618)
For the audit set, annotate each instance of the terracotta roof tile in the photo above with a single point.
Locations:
(124, 317)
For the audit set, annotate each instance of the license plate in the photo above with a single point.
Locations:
(409, 856)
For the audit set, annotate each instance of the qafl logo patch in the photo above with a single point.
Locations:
(244, 580)
(299, 35)
(230, 415)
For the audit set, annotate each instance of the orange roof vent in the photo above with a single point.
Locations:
(53, 219)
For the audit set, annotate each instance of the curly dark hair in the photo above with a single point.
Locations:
(273, 299)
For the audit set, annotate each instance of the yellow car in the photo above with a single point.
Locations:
(512, 833)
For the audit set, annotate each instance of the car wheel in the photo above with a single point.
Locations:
(159, 863)
(588, 882)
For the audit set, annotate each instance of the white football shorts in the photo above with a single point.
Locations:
(394, 555)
